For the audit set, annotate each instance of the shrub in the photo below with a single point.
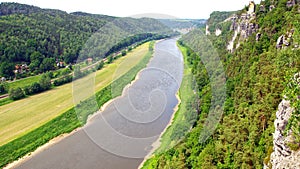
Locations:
(16, 94)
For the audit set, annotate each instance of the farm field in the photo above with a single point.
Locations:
(23, 116)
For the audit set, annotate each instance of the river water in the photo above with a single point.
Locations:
(122, 135)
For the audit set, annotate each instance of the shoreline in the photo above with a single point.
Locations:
(157, 143)
(57, 139)
(52, 142)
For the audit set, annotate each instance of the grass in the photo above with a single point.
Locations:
(23, 116)
(24, 82)
(5, 101)
(68, 121)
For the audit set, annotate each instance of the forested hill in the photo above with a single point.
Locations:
(40, 37)
(259, 68)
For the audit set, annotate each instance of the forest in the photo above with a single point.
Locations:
(258, 75)
(44, 37)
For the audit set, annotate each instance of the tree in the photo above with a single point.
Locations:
(124, 52)
(45, 82)
(7, 69)
(35, 61)
(77, 72)
(3, 87)
(16, 94)
(100, 65)
(35, 88)
(47, 64)
(110, 59)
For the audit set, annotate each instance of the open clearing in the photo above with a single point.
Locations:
(20, 117)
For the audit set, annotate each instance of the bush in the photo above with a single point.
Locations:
(45, 82)
(3, 88)
(124, 52)
(100, 65)
(16, 94)
(35, 88)
(64, 80)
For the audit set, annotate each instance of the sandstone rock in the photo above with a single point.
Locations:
(258, 36)
(271, 7)
(207, 30)
(290, 3)
(218, 32)
(283, 156)
(279, 42)
(262, 8)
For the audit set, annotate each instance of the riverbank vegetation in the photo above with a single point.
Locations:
(70, 119)
(256, 75)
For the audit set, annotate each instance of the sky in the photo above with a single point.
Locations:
(192, 9)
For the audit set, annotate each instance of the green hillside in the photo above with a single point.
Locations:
(257, 74)
(43, 37)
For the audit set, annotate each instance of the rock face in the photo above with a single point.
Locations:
(283, 157)
(218, 32)
(242, 26)
(290, 3)
(285, 40)
(207, 30)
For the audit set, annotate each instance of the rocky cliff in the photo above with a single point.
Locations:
(283, 156)
(244, 23)
(286, 146)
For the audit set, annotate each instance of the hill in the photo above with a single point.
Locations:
(259, 67)
(42, 37)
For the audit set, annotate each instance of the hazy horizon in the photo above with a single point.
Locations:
(189, 9)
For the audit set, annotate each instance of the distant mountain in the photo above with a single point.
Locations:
(183, 23)
(15, 8)
(38, 36)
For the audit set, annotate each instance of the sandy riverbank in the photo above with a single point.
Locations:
(157, 143)
(40, 149)
(63, 136)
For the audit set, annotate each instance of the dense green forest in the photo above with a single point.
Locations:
(257, 74)
(216, 18)
(43, 37)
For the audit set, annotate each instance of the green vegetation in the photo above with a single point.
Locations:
(216, 18)
(17, 119)
(292, 92)
(71, 119)
(186, 114)
(44, 37)
(5, 101)
(24, 82)
(257, 74)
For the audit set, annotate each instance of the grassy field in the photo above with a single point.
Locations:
(23, 116)
(24, 82)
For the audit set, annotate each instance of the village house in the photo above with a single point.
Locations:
(21, 68)
(89, 60)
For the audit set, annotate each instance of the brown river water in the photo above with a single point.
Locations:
(122, 135)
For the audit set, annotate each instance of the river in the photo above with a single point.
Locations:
(122, 135)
